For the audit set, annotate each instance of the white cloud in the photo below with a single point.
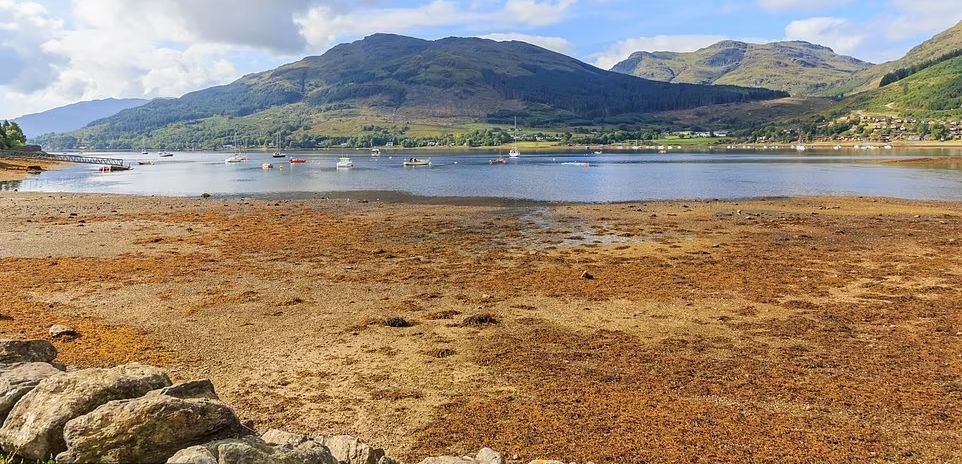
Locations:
(659, 43)
(837, 33)
(558, 44)
(787, 5)
(322, 25)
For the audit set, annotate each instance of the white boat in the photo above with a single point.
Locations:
(237, 157)
(837, 147)
(887, 147)
(599, 152)
(267, 166)
(417, 163)
(514, 153)
(344, 163)
(166, 154)
(145, 162)
(801, 148)
(375, 153)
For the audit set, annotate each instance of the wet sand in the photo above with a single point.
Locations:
(785, 330)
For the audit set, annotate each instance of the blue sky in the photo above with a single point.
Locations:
(73, 50)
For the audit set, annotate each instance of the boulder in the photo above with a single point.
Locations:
(189, 390)
(16, 380)
(449, 460)
(147, 430)
(282, 437)
(34, 428)
(349, 450)
(26, 351)
(62, 331)
(489, 456)
(253, 450)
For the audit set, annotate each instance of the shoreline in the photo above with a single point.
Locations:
(15, 169)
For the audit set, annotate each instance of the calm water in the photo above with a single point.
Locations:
(610, 177)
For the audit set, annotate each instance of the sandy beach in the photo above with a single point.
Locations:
(781, 330)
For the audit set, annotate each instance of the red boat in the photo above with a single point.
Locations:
(298, 160)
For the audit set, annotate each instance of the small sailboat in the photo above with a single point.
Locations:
(277, 145)
(144, 146)
(417, 163)
(237, 157)
(344, 163)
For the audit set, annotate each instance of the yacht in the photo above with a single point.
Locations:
(237, 157)
(375, 153)
(278, 153)
(344, 163)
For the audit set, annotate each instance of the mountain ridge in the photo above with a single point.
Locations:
(798, 67)
(74, 116)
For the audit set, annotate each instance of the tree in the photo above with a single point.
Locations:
(940, 132)
(11, 136)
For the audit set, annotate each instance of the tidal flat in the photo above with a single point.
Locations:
(811, 329)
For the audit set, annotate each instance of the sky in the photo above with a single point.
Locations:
(56, 52)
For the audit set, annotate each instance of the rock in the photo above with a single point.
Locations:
(349, 450)
(587, 276)
(489, 456)
(62, 331)
(16, 380)
(18, 351)
(34, 428)
(543, 461)
(387, 460)
(449, 460)
(189, 390)
(281, 437)
(253, 450)
(147, 430)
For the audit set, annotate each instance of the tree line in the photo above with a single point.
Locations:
(903, 73)
(11, 136)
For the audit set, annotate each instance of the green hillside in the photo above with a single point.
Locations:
(934, 92)
(406, 84)
(800, 68)
(869, 79)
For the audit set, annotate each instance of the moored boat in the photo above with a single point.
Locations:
(298, 161)
(417, 163)
(344, 163)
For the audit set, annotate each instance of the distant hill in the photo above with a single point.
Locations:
(800, 68)
(869, 79)
(73, 117)
(389, 79)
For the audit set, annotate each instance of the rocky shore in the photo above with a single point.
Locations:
(135, 414)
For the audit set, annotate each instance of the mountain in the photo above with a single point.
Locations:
(393, 80)
(943, 44)
(800, 68)
(73, 117)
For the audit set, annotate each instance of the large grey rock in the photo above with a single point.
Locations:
(349, 450)
(16, 380)
(147, 430)
(449, 460)
(34, 428)
(282, 437)
(253, 450)
(26, 351)
(489, 456)
(188, 390)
